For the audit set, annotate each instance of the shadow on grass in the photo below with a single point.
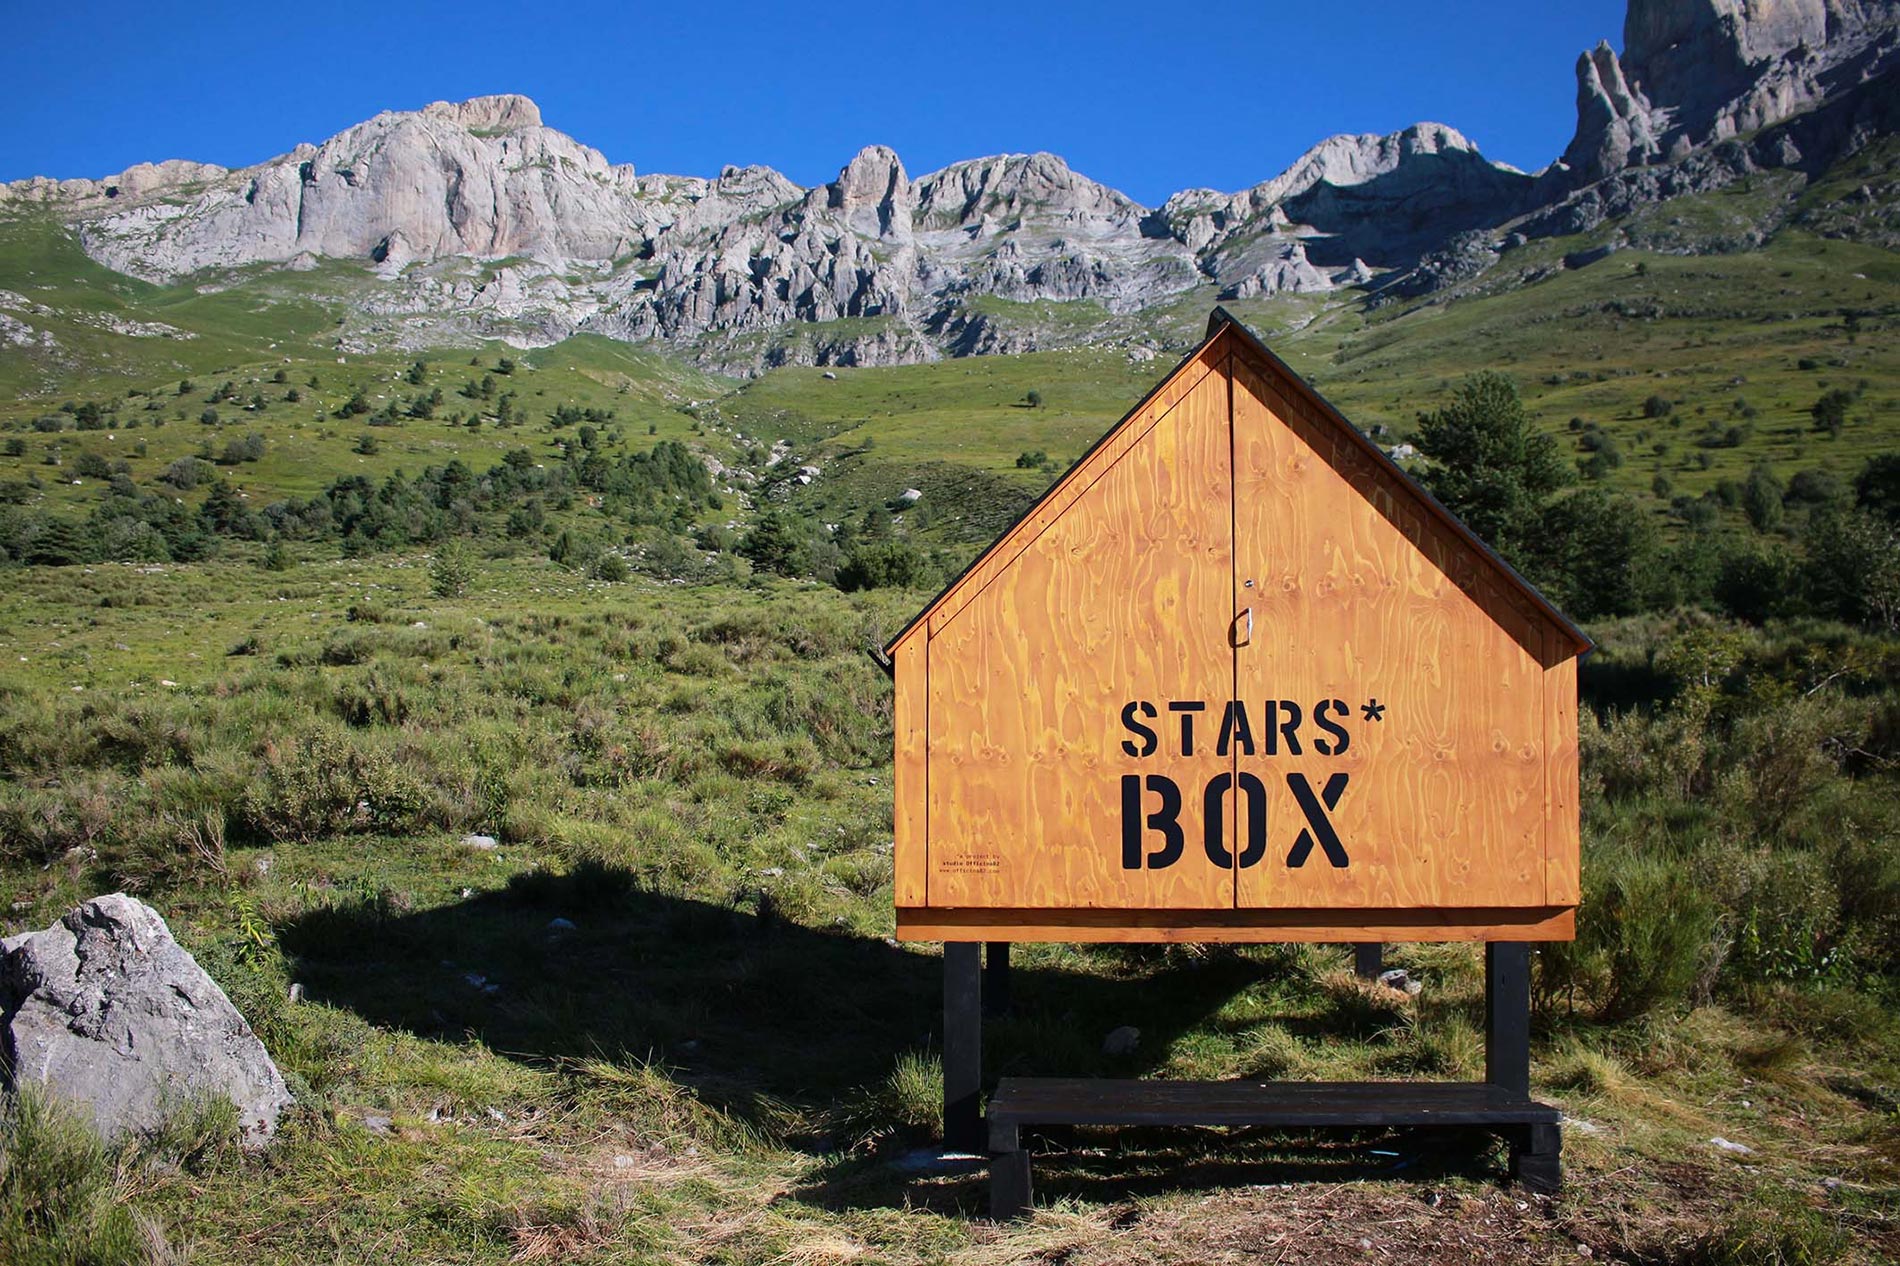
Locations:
(1103, 1166)
(744, 1006)
(759, 1015)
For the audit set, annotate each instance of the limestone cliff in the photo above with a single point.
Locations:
(1696, 72)
(478, 220)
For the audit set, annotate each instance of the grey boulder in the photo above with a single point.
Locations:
(111, 1014)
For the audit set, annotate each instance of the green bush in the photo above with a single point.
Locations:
(1781, 759)
(320, 784)
(885, 564)
(610, 567)
(38, 825)
(1853, 567)
(1646, 938)
(1787, 919)
(451, 570)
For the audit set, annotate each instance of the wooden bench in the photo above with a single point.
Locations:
(1530, 1128)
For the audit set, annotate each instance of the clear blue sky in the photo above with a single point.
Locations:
(1147, 97)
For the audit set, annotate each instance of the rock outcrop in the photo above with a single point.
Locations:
(109, 1013)
(482, 178)
(1694, 73)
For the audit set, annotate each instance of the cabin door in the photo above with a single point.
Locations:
(1071, 700)
(1397, 717)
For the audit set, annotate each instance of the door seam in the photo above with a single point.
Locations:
(1233, 619)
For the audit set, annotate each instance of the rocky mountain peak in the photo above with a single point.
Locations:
(1614, 121)
(874, 194)
(1674, 44)
(1697, 71)
(1351, 159)
(505, 112)
(1005, 187)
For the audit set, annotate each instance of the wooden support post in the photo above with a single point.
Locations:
(1537, 1157)
(963, 1047)
(1010, 1193)
(996, 978)
(1368, 958)
(1507, 1015)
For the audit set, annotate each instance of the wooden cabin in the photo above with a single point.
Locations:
(1236, 677)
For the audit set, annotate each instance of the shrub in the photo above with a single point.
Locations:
(186, 473)
(1853, 567)
(92, 465)
(450, 571)
(1830, 411)
(670, 557)
(1658, 407)
(1877, 487)
(248, 449)
(37, 826)
(1787, 919)
(1754, 582)
(320, 784)
(1761, 499)
(1646, 936)
(884, 564)
(1815, 487)
(168, 850)
(129, 540)
(781, 542)
(1784, 755)
(609, 566)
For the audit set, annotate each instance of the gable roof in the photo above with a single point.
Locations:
(1223, 326)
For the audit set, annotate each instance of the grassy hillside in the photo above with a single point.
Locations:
(658, 1015)
(725, 1058)
(1697, 367)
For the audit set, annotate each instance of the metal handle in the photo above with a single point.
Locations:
(1244, 639)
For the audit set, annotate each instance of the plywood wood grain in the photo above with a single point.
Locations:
(1124, 599)
(910, 774)
(1365, 602)
(1562, 826)
(1073, 486)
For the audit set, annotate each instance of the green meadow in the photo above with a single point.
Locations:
(510, 749)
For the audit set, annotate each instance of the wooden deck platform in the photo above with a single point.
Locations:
(1530, 1127)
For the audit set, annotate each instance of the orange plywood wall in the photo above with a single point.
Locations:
(1236, 678)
